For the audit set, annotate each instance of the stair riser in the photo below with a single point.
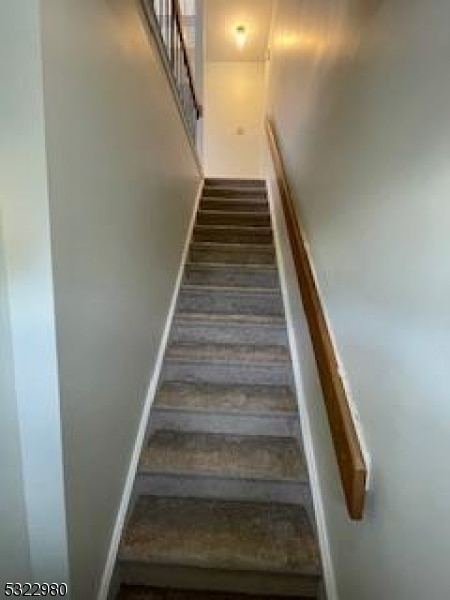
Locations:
(194, 578)
(212, 301)
(233, 235)
(228, 333)
(223, 372)
(223, 488)
(234, 424)
(232, 256)
(237, 219)
(260, 278)
(235, 205)
(236, 192)
(235, 183)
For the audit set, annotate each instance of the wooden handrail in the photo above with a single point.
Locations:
(348, 451)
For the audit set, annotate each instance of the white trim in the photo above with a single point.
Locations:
(327, 562)
(131, 475)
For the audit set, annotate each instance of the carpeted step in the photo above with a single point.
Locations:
(246, 354)
(229, 328)
(225, 408)
(231, 234)
(223, 456)
(239, 254)
(235, 204)
(257, 276)
(128, 592)
(227, 466)
(237, 219)
(227, 363)
(241, 400)
(230, 300)
(224, 183)
(234, 192)
(221, 545)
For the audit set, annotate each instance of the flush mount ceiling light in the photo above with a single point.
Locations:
(240, 34)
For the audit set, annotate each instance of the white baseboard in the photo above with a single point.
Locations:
(327, 563)
(152, 388)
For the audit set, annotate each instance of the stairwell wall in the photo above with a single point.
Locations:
(122, 185)
(33, 543)
(360, 97)
(233, 123)
(14, 542)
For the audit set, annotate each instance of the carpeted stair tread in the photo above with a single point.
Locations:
(235, 290)
(212, 191)
(221, 266)
(235, 182)
(230, 300)
(217, 534)
(129, 592)
(235, 204)
(234, 192)
(229, 328)
(229, 228)
(233, 234)
(256, 276)
(228, 353)
(221, 245)
(238, 219)
(231, 319)
(259, 205)
(226, 398)
(242, 254)
(245, 267)
(223, 456)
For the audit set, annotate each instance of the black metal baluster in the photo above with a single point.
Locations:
(169, 18)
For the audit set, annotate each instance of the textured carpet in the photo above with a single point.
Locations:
(145, 593)
(222, 493)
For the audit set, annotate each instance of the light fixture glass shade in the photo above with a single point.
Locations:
(241, 36)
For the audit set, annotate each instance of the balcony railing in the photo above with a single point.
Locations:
(166, 21)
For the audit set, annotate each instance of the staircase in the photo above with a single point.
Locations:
(223, 498)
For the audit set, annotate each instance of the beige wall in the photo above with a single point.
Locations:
(122, 182)
(234, 100)
(97, 188)
(32, 490)
(14, 542)
(360, 94)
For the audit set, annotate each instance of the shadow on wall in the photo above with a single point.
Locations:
(365, 8)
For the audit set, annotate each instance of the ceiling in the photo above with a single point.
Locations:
(221, 19)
